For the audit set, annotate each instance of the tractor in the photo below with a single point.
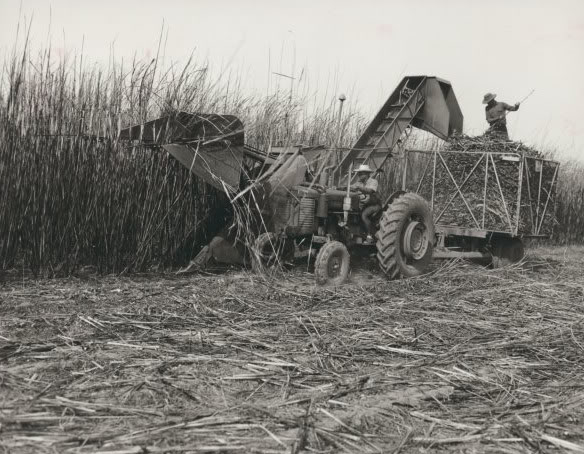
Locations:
(314, 220)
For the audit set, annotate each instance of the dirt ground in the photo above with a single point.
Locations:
(465, 359)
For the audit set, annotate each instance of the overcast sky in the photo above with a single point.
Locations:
(362, 48)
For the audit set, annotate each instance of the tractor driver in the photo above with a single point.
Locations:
(369, 199)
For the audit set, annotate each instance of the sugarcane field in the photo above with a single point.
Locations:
(313, 227)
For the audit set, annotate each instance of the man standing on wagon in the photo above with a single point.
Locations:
(496, 113)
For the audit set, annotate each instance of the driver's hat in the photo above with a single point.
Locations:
(364, 168)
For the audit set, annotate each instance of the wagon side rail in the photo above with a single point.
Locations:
(541, 196)
(484, 191)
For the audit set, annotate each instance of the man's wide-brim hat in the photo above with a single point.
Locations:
(364, 168)
(489, 97)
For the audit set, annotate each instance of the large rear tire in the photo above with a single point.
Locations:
(405, 239)
(332, 264)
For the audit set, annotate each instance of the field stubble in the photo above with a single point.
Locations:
(464, 358)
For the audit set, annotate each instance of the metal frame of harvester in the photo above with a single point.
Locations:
(323, 214)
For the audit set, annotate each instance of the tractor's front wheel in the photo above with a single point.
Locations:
(332, 264)
(405, 239)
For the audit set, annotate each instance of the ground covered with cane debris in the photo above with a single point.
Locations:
(466, 359)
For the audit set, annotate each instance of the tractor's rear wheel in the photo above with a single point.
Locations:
(405, 239)
(507, 251)
(332, 264)
(269, 250)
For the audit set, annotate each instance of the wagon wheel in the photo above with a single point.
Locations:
(405, 239)
(507, 251)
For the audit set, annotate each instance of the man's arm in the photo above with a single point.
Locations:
(371, 186)
(511, 108)
(366, 190)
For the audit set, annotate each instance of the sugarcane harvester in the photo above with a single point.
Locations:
(302, 201)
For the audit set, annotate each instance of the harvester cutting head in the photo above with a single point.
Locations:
(211, 146)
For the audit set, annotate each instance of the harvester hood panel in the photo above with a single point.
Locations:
(220, 168)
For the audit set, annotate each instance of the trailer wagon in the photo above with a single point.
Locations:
(484, 203)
